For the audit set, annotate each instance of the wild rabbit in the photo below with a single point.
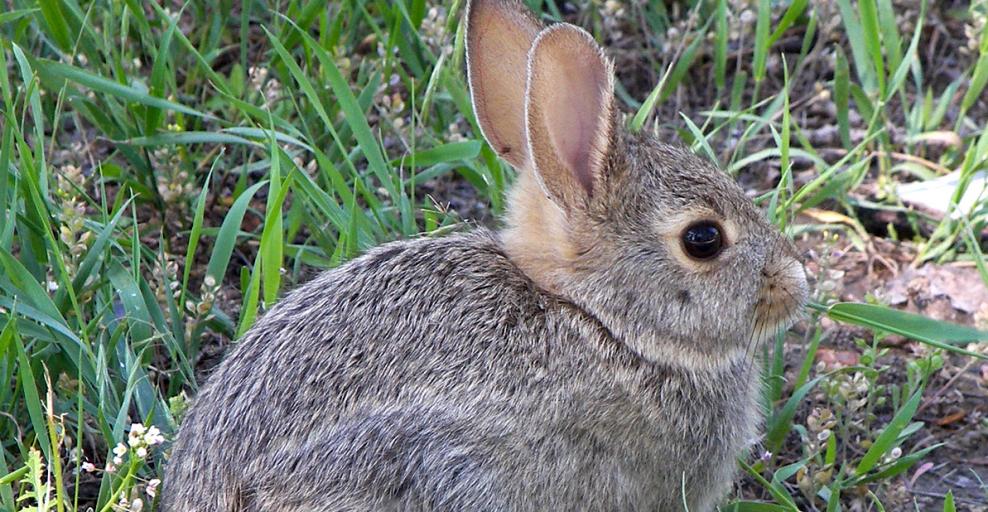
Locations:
(595, 354)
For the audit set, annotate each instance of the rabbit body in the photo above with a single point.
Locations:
(434, 375)
(595, 354)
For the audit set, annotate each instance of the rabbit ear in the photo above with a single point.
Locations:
(569, 104)
(499, 36)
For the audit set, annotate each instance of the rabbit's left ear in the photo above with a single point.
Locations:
(499, 36)
(569, 105)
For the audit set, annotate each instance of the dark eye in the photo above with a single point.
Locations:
(703, 240)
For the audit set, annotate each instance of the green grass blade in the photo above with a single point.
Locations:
(348, 104)
(979, 77)
(226, 238)
(948, 502)
(905, 324)
(889, 436)
(32, 399)
(53, 72)
(54, 19)
(859, 48)
(842, 96)
(779, 424)
(873, 45)
(451, 152)
(761, 40)
(272, 236)
(248, 312)
(722, 33)
(185, 138)
(16, 14)
(795, 10)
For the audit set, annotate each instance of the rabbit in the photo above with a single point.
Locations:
(594, 354)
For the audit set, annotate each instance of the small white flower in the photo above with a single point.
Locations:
(142, 452)
(88, 467)
(136, 505)
(110, 468)
(153, 436)
(152, 488)
(137, 429)
(116, 462)
(120, 449)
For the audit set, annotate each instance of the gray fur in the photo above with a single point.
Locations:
(431, 375)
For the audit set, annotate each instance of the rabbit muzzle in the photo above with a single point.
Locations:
(783, 294)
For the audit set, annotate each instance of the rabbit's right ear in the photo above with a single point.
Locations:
(499, 36)
(570, 113)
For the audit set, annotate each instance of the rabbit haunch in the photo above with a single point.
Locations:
(579, 359)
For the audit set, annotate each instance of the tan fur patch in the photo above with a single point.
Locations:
(537, 237)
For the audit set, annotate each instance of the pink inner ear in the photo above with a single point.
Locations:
(569, 105)
(574, 119)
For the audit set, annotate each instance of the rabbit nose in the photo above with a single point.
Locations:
(783, 292)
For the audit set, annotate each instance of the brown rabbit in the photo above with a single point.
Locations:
(593, 355)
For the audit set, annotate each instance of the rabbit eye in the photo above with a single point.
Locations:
(703, 240)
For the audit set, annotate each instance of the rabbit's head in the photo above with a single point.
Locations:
(664, 249)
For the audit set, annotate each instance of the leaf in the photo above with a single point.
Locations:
(859, 48)
(755, 506)
(58, 71)
(762, 39)
(842, 96)
(777, 491)
(248, 313)
(779, 424)
(182, 138)
(467, 150)
(15, 15)
(51, 12)
(948, 502)
(927, 330)
(794, 11)
(273, 234)
(889, 436)
(27, 289)
(32, 399)
(226, 238)
(898, 467)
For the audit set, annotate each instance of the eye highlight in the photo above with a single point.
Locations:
(703, 240)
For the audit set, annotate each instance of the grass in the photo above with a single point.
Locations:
(169, 170)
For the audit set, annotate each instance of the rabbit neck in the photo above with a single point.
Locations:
(536, 237)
